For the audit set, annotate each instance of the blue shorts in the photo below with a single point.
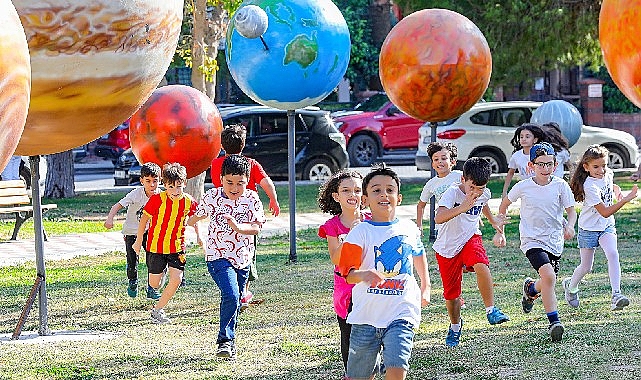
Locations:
(590, 239)
(365, 344)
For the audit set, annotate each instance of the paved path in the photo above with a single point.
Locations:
(65, 247)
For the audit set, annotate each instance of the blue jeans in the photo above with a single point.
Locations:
(230, 281)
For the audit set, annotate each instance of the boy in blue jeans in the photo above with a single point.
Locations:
(379, 256)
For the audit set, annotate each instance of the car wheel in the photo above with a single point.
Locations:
(319, 169)
(497, 164)
(362, 150)
(617, 159)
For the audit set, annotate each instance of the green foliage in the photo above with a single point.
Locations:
(526, 37)
(613, 99)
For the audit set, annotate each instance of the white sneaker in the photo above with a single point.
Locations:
(619, 301)
(158, 316)
(571, 298)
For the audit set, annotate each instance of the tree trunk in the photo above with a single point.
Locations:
(198, 44)
(380, 16)
(59, 181)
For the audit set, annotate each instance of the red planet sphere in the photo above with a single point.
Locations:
(619, 23)
(177, 124)
(435, 64)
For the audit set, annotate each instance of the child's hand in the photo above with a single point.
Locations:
(499, 240)
(274, 207)
(425, 297)
(109, 223)
(617, 192)
(137, 245)
(231, 221)
(632, 194)
(568, 232)
(372, 277)
(470, 200)
(199, 241)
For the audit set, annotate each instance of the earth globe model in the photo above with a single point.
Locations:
(298, 60)
(435, 64)
(15, 78)
(93, 63)
(564, 114)
(619, 23)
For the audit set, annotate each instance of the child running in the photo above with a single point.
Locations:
(524, 137)
(544, 197)
(459, 244)
(341, 196)
(592, 184)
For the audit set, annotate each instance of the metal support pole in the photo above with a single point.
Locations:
(291, 164)
(433, 199)
(34, 162)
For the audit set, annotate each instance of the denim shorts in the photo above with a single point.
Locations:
(365, 344)
(590, 239)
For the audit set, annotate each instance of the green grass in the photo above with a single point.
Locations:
(294, 334)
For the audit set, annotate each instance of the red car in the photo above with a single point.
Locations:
(113, 143)
(376, 130)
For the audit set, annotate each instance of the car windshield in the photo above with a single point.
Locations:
(373, 103)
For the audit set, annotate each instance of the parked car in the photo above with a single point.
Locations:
(113, 143)
(487, 128)
(376, 130)
(320, 147)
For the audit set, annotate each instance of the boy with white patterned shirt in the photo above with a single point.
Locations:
(236, 213)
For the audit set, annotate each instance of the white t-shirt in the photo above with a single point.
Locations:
(223, 242)
(597, 191)
(456, 232)
(542, 210)
(134, 201)
(561, 158)
(436, 186)
(388, 247)
(519, 161)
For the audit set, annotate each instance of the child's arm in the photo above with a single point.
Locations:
(607, 211)
(443, 214)
(508, 181)
(109, 222)
(420, 264)
(568, 228)
(334, 246)
(420, 209)
(243, 228)
(268, 187)
(142, 226)
(194, 219)
(370, 276)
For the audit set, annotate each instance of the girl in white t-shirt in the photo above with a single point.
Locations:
(592, 184)
(524, 137)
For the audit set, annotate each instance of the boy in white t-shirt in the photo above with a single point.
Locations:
(379, 256)
(459, 244)
(542, 229)
(443, 156)
(134, 201)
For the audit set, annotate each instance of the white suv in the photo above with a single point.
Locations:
(487, 128)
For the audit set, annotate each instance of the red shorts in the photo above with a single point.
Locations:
(451, 269)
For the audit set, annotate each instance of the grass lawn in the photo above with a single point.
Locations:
(294, 334)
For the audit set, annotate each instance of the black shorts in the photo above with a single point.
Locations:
(539, 257)
(157, 262)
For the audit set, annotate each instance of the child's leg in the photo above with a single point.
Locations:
(132, 258)
(587, 260)
(230, 281)
(545, 285)
(454, 310)
(485, 284)
(608, 242)
(345, 329)
(397, 349)
(364, 348)
(175, 276)
(154, 280)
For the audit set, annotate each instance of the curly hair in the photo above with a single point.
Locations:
(538, 133)
(478, 170)
(325, 200)
(438, 146)
(173, 172)
(580, 174)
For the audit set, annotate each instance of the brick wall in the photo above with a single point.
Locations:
(628, 122)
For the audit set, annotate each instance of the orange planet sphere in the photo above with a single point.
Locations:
(177, 124)
(15, 77)
(435, 64)
(619, 31)
(93, 63)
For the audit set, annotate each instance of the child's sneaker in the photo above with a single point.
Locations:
(246, 300)
(152, 293)
(619, 301)
(226, 350)
(132, 289)
(571, 298)
(158, 316)
(528, 301)
(556, 330)
(453, 338)
(183, 283)
(497, 316)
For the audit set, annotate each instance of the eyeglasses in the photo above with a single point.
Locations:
(544, 165)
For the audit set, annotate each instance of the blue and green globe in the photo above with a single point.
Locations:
(307, 53)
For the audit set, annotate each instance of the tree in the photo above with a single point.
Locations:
(59, 181)
(527, 37)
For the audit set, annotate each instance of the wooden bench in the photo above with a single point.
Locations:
(15, 199)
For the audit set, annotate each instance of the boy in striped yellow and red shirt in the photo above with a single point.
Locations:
(166, 213)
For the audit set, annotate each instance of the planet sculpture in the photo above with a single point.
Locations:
(93, 63)
(15, 78)
(435, 64)
(564, 114)
(619, 30)
(305, 55)
(177, 124)
(251, 21)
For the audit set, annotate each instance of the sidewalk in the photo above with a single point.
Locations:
(64, 247)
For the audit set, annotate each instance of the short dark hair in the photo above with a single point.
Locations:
(150, 169)
(478, 170)
(232, 138)
(173, 172)
(235, 164)
(438, 146)
(380, 169)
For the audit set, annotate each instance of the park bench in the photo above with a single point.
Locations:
(14, 199)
